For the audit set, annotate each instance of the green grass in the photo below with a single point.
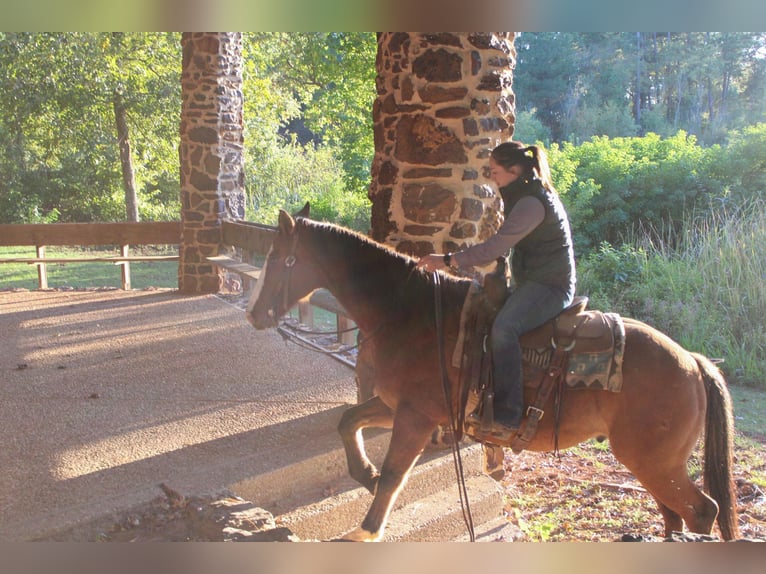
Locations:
(749, 410)
(144, 274)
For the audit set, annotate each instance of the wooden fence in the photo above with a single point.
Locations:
(120, 235)
(249, 241)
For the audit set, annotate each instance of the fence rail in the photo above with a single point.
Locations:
(121, 235)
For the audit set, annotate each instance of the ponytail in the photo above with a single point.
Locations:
(541, 167)
(532, 157)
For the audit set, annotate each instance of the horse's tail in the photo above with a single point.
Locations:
(719, 437)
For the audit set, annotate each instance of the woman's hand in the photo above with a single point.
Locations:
(433, 262)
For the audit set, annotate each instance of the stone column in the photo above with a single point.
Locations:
(444, 101)
(211, 152)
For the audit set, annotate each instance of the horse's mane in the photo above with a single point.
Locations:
(358, 245)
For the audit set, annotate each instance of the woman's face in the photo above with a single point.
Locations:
(502, 176)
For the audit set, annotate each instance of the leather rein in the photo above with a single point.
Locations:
(453, 418)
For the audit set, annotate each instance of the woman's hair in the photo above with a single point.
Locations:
(533, 158)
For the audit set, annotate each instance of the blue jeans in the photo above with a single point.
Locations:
(527, 307)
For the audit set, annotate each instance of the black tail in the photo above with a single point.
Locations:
(719, 438)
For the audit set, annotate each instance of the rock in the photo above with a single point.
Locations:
(232, 519)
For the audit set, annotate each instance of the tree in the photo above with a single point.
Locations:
(328, 78)
(82, 92)
(704, 83)
(546, 78)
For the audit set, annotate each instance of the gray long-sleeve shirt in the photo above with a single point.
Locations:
(525, 216)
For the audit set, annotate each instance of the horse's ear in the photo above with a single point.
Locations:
(286, 222)
(304, 212)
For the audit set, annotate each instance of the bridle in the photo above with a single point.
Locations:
(283, 289)
(283, 285)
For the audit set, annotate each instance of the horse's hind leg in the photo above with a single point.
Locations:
(678, 496)
(371, 413)
(410, 433)
(673, 520)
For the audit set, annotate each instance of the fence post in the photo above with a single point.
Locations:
(42, 270)
(125, 265)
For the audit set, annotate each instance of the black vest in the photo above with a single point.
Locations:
(546, 254)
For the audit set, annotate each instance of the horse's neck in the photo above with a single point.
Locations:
(346, 260)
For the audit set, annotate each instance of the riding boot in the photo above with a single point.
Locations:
(509, 403)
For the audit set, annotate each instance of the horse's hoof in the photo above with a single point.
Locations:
(358, 535)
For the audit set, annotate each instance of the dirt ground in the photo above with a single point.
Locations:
(584, 494)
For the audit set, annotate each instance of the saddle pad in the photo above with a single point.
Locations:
(596, 370)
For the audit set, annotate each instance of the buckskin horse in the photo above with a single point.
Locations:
(668, 394)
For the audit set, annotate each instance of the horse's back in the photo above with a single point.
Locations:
(662, 388)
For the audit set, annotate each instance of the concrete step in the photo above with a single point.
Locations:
(439, 517)
(292, 482)
(309, 490)
(428, 507)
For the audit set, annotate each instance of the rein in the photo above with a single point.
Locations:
(287, 333)
(455, 445)
(329, 332)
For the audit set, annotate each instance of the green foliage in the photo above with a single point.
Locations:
(316, 87)
(610, 119)
(703, 287)
(320, 103)
(529, 128)
(59, 140)
(620, 84)
(292, 175)
(614, 185)
(60, 159)
(611, 267)
(740, 165)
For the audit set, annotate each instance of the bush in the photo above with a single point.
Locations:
(293, 174)
(529, 129)
(704, 287)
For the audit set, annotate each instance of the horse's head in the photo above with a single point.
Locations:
(287, 275)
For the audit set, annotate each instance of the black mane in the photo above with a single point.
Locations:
(380, 266)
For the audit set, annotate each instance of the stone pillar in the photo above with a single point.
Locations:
(444, 101)
(211, 152)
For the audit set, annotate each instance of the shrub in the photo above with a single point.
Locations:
(702, 287)
(292, 175)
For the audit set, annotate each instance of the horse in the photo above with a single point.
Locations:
(668, 394)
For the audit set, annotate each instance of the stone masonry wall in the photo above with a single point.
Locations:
(211, 152)
(444, 100)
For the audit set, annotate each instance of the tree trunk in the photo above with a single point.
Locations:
(126, 159)
(637, 101)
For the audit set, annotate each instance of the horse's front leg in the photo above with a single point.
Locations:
(372, 413)
(410, 434)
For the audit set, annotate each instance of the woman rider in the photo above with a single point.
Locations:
(536, 227)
